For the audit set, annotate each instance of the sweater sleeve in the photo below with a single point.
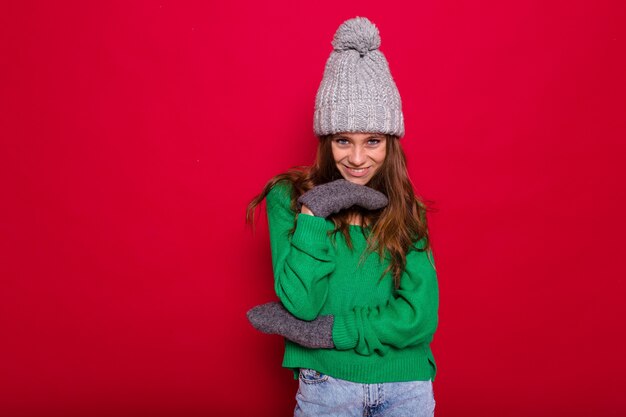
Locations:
(409, 318)
(303, 263)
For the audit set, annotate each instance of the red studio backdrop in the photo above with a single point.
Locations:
(134, 134)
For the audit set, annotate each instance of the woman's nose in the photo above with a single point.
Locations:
(357, 156)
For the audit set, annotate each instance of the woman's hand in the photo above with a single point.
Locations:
(273, 318)
(332, 197)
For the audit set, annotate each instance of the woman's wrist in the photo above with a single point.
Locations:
(306, 210)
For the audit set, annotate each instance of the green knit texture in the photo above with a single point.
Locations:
(381, 334)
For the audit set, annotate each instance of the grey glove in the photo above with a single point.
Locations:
(334, 196)
(273, 318)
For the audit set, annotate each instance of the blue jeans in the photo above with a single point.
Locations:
(322, 395)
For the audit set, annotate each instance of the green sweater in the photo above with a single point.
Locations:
(380, 334)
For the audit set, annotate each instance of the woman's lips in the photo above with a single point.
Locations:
(360, 172)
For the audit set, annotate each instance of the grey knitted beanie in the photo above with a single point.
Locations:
(357, 92)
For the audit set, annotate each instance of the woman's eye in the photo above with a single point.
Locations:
(341, 141)
(374, 141)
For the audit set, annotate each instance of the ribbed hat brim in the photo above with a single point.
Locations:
(358, 117)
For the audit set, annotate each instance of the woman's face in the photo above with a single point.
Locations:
(359, 155)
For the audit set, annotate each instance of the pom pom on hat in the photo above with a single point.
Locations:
(358, 33)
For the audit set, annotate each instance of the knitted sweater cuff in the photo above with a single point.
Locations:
(310, 228)
(344, 332)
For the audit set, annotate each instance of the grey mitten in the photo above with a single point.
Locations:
(273, 318)
(332, 197)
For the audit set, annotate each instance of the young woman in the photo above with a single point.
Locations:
(351, 256)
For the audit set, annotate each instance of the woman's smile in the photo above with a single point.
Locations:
(357, 172)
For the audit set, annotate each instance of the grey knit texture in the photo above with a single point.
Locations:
(273, 318)
(332, 197)
(357, 92)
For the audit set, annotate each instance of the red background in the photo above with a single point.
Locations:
(134, 135)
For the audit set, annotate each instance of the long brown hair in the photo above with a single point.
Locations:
(394, 229)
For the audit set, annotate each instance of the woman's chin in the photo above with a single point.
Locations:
(359, 181)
